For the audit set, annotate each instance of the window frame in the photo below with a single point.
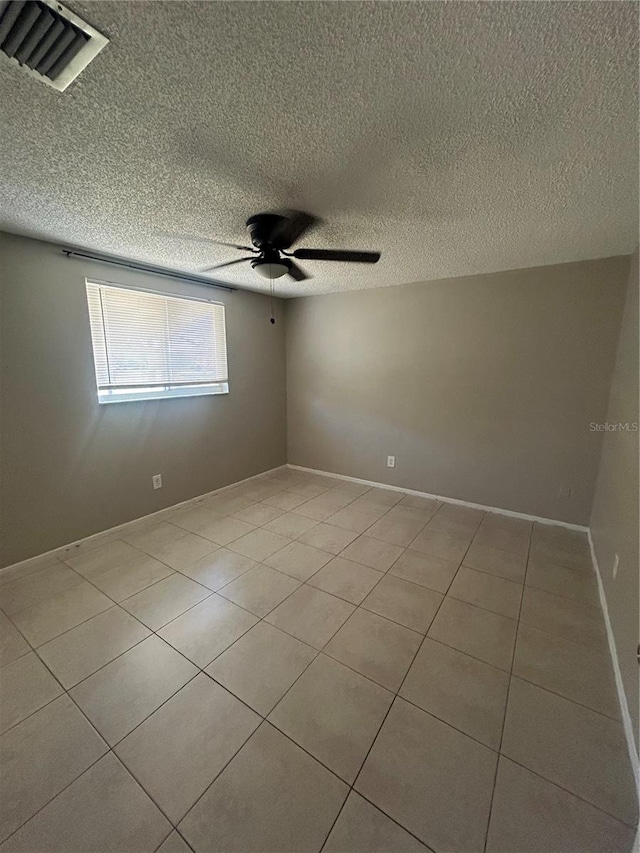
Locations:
(153, 391)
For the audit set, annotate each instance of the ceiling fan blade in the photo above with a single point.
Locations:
(190, 238)
(292, 226)
(297, 272)
(336, 255)
(233, 246)
(227, 264)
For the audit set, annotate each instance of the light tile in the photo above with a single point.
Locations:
(560, 580)
(257, 490)
(503, 540)
(480, 633)
(83, 650)
(333, 713)
(401, 512)
(37, 761)
(369, 506)
(574, 747)
(258, 514)
(37, 588)
(372, 552)
(218, 568)
(47, 620)
(561, 546)
(27, 685)
(299, 560)
(174, 843)
(311, 615)
(328, 537)
(455, 521)
(485, 590)
(324, 506)
(261, 666)
(290, 525)
(91, 543)
(120, 695)
(272, 797)
(207, 629)
(104, 810)
(375, 647)
(149, 537)
(162, 602)
(184, 550)
(576, 672)
(521, 526)
(308, 490)
(354, 490)
(259, 544)
(384, 497)
(362, 828)
(227, 502)
(462, 514)
(572, 620)
(440, 545)
(260, 590)
(195, 517)
(406, 603)
(469, 695)
(285, 501)
(130, 578)
(179, 750)
(503, 564)
(351, 518)
(102, 558)
(12, 644)
(345, 579)
(223, 531)
(430, 778)
(425, 570)
(27, 567)
(530, 815)
(427, 505)
(396, 530)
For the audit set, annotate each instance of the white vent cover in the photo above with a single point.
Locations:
(47, 41)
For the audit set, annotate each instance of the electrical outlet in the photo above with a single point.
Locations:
(616, 563)
(564, 493)
(157, 481)
(391, 461)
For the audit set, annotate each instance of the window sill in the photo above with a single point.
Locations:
(131, 395)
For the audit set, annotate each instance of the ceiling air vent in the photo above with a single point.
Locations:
(47, 40)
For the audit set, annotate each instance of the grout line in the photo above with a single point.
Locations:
(506, 704)
(452, 501)
(393, 701)
(268, 474)
(260, 619)
(571, 793)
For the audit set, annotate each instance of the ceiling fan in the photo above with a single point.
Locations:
(272, 234)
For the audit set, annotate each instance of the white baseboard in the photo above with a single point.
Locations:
(622, 696)
(444, 499)
(113, 531)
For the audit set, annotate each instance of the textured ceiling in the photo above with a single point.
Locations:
(456, 138)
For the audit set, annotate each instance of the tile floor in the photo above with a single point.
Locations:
(304, 664)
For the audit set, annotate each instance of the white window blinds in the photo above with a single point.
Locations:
(148, 345)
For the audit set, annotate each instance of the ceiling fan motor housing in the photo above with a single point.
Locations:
(263, 228)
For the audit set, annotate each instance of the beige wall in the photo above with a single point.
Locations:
(71, 467)
(482, 387)
(614, 523)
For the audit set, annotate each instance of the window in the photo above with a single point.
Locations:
(147, 345)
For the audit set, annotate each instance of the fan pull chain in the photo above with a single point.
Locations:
(273, 319)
